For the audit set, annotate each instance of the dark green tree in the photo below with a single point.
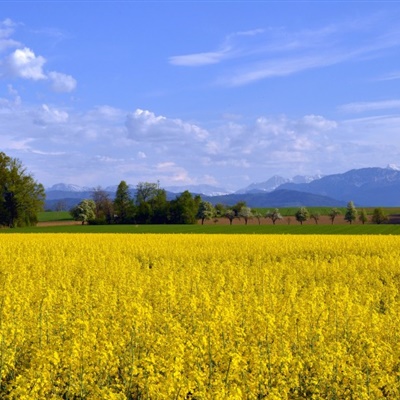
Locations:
(363, 217)
(151, 203)
(379, 216)
(124, 207)
(219, 210)
(146, 191)
(21, 197)
(351, 212)
(184, 208)
(159, 207)
(237, 207)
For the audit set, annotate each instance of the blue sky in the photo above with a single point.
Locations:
(225, 93)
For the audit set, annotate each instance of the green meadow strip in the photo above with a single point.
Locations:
(292, 229)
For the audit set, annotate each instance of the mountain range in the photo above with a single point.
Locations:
(366, 187)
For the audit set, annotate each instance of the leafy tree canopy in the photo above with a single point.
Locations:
(21, 197)
(84, 211)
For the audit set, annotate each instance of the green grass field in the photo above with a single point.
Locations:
(48, 216)
(293, 229)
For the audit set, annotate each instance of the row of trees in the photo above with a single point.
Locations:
(149, 205)
(352, 214)
(240, 210)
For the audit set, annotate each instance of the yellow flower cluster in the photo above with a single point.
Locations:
(199, 317)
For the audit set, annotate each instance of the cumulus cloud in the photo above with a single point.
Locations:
(144, 125)
(60, 144)
(47, 115)
(62, 82)
(23, 63)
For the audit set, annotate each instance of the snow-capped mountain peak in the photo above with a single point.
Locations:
(394, 167)
(66, 187)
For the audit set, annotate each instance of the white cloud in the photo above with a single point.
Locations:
(7, 27)
(231, 48)
(48, 115)
(199, 59)
(390, 77)
(23, 63)
(62, 82)
(275, 52)
(144, 125)
(370, 106)
(317, 123)
(58, 145)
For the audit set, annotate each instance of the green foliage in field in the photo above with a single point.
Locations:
(292, 229)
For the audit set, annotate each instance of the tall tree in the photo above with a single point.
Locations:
(104, 205)
(363, 217)
(146, 191)
(151, 203)
(379, 216)
(21, 197)
(123, 204)
(351, 212)
(184, 208)
(160, 207)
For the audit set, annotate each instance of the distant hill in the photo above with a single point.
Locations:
(207, 190)
(277, 198)
(366, 186)
(274, 182)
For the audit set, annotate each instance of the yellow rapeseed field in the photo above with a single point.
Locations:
(119, 316)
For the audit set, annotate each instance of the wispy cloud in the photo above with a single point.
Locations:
(229, 49)
(366, 106)
(199, 59)
(391, 76)
(273, 52)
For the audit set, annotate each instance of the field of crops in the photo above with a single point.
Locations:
(117, 316)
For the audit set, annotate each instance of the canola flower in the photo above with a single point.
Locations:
(199, 316)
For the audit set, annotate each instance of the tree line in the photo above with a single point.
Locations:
(149, 205)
